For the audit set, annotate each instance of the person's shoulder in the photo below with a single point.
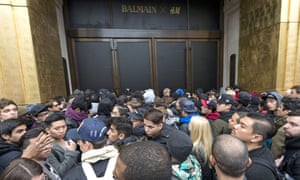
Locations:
(219, 122)
(75, 172)
(258, 170)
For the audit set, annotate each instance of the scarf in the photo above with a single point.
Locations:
(76, 116)
(96, 155)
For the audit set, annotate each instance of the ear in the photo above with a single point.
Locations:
(256, 138)
(89, 145)
(249, 162)
(161, 125)
(5, 136)
(212, 160)
(121, 136)
(47, 130)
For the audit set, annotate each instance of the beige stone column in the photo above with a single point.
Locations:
(18, 73)
(288, 68)
(31, 66)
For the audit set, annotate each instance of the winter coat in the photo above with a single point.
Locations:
(61, 159)
(258, 171)
(97, 158)
(291, 161)
(8, 152)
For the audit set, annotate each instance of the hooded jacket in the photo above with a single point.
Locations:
(8, 152)
(98, 158)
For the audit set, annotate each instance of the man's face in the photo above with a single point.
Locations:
(113, 134)
(292, 127)
(222, 107)
(16, 134)
(151, 129)
(280, 112)
(55, 107)
(41, 117)
(9, 112)
(58, 129)
(294, 94)
(120, 167)
(271, 104)
(233, 120)
(243, 130)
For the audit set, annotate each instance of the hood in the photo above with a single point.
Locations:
(6, 147)
(138, 130)
(276, 95)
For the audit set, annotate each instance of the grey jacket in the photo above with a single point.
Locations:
(61, 159)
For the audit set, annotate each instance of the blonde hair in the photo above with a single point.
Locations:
(201, 136)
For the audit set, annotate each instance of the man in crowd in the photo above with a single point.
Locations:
(254, 129)
(146, 160)
(295, 91)
(226, 108)
(120, 132)
(39, 113)
(30, 137)
(229, 157)
(98, 159)
(11, 131)
(8, 109)
(158, 131)
(291, 162)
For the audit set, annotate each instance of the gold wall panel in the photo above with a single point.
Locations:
(258, 44)
(43, 22)
(269, 45)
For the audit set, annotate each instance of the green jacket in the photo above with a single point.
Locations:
(190, 169)
(219, 127)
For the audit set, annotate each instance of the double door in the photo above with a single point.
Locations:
(118, 64)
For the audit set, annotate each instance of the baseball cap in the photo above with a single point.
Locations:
(92, 130)
(244, 98)
(38, 108)
(226, 99)
(188, 106)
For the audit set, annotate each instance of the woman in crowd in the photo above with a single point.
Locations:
(201, 136)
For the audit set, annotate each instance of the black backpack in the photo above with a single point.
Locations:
(277, 174)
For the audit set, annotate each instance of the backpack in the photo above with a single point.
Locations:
(190, 169)
(277, 174)
(91, 175)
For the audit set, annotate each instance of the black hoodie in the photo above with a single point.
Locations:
(8, 152)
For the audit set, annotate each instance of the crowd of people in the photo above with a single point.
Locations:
(144, 135)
